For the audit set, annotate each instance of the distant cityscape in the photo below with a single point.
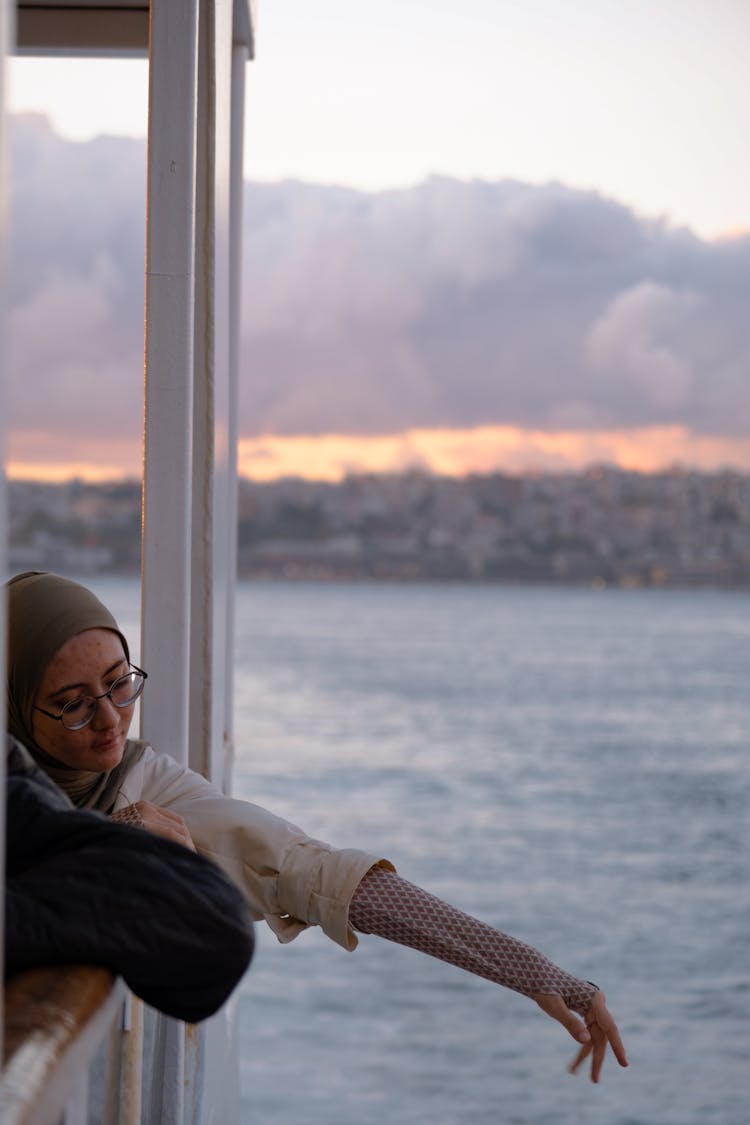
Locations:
(603, 526)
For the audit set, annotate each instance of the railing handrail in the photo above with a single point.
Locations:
(54, 1022)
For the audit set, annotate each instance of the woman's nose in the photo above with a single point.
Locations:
(106, 714)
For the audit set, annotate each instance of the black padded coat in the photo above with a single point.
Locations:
(83, 890)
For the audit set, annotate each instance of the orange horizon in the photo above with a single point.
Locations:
(445, 452)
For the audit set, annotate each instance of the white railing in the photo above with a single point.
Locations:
(6, 38)
(55, 1021)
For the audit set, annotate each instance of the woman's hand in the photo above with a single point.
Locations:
(162, 822)
(593, 1035)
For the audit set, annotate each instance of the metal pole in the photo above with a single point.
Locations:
(212, 454)
(211, 1059)
(170, 283)
(6, 37)
(166, 568)
(239, 63)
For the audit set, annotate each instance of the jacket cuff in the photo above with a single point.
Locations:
(316, 886)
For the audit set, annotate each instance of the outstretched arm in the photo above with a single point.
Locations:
(389, 906)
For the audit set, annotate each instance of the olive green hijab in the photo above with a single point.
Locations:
(44, 611)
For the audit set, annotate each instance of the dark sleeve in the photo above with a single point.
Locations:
(81, 890)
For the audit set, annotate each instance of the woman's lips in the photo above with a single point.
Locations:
(105, 744)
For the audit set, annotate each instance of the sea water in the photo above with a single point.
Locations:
(568, 765)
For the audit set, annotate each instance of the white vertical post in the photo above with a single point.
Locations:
(170, 286)
(239, 63)
(170, 281)
(123, 1093)
(5, 41)
(213, 570)
(213, 1064)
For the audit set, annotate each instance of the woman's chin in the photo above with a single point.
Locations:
(106, 757)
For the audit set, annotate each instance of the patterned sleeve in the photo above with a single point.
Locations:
(129, 815)
(389, 906)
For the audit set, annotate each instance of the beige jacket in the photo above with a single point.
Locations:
(288, 878)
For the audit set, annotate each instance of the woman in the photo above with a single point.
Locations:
(71, 695)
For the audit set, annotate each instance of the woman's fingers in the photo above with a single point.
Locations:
(598, 1030)
(599, 1015)
(164, 822)
(598, 1052)
(610, 1029)
(603, 1030)
(582, 1055)
(556, 1007)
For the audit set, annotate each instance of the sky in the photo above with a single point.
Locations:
(489, 235)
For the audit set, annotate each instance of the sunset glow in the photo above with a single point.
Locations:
(484, 450)
(446, 452)
(39, 455)
(58, 472)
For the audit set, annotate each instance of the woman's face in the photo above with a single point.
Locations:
(87, 664)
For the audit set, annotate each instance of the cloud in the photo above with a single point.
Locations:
(638, 344)
(465, 304)
(448, 305)
(75, 267)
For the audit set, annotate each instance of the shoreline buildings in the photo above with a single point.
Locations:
(602, 526)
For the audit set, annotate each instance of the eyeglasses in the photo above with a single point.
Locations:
(79, 712)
